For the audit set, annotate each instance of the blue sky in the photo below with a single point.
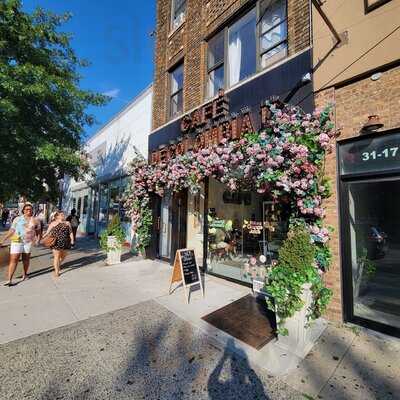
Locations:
(114, 35)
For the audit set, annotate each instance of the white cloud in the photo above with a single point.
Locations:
(112, 93)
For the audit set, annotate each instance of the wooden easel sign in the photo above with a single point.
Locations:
(186, 271)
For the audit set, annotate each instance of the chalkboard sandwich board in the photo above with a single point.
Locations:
(186, 271)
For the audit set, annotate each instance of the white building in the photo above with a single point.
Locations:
(110, 150)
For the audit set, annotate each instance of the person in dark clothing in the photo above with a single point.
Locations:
(4, 216)
(73, 219)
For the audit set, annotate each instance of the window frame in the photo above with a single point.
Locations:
(174, 27)
(258, 34)
(224, 34)
(378, 3)
(173, 94)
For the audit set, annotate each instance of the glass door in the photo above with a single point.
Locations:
(165, 227)
(371, 244)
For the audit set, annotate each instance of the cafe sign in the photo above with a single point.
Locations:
(211, 125)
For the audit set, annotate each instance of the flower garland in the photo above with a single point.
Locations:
(284, 160)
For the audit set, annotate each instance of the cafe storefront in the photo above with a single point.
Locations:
(226, 228)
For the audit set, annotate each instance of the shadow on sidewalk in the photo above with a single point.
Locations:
(70, 265)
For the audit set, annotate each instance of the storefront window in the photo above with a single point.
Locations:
(85, 205)
(103, 207)
(78, 211)
(242, 227)
(114, 200)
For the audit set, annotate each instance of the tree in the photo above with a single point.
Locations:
(42, 108)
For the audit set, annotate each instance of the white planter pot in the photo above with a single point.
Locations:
(300, 339)
(113, 256)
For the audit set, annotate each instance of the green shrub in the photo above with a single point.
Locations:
(115, 229)
(296, 267)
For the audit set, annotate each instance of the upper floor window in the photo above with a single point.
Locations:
(273, 32)
(178, 12)
(215, 64)
(242, 48)
(176, 94)
(255, 41)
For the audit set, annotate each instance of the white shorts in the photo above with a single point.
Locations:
(18, 248)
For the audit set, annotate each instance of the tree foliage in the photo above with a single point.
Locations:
(42, 108)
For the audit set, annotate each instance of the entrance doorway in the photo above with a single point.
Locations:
(370, 227)
(165, 227)
(172, 225)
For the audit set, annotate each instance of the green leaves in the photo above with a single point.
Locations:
(114, 228)
(295, 268)
(42, 108)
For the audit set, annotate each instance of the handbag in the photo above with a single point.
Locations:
(49, 240)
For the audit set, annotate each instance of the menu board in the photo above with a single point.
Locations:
(186, 270)
(189, 266)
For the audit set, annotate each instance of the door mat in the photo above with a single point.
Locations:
(247, 319)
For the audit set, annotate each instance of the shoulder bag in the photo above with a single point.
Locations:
(49, 240)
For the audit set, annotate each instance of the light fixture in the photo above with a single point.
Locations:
(372, 124)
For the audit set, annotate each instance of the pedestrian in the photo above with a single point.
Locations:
(41, 216)
(4, 216)
(24, 231)
(73, 219)
(61, 230)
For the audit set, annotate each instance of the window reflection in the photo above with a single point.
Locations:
(242, 227)
(374, 227)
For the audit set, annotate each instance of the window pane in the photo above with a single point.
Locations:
(179, 12)
(273, 37)
(374, 242)
(177, 79)
(215, 81)
(242, 225)
(216, 50)
(274, 55)
(176, 103)
(273, 14)
(242, 48)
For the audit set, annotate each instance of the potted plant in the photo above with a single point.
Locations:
(112, 240)
(298, 294)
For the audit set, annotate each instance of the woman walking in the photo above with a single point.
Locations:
(61, 231)
(24, 231)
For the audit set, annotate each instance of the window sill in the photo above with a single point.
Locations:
(175, 30)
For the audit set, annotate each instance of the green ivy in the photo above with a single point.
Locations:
(144, 228)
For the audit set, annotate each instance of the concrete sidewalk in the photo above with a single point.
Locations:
(346, 363)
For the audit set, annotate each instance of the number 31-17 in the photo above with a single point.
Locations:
(386, 153)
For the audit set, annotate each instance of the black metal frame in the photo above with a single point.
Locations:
(368, 8)
(346, 273)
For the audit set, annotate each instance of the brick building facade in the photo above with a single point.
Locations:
(353, 61)
(188, 43)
